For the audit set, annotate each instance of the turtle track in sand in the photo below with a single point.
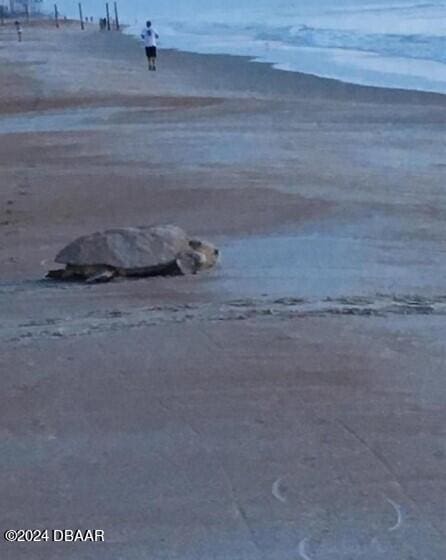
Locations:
(125, 316)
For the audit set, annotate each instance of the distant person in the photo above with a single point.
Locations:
(150, 36)
(18, 28)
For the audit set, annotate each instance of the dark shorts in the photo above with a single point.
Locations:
(151, 52)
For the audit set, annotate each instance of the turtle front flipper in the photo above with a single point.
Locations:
(59, 274)
(68, 274)
(101, 276)
(190, 262)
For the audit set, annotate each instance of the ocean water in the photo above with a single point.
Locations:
(399, 43)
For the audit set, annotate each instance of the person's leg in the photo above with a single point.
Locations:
(149, 61)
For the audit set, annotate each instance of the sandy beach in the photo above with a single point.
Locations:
(289, 404)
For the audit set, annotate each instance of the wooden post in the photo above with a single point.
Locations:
(2, 14)
(108, 16)
(27, 11)
(81, 17)
(56, 15)
(116, 16)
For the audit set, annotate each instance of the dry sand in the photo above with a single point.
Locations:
(289, 405)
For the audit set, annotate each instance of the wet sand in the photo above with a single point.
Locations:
(290, 404)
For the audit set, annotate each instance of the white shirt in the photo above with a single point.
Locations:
(149, 36)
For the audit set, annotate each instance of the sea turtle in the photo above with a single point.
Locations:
(133, 251)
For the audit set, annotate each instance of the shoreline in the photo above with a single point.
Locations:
(130, 29)
(276, 66)
(288, 83)
(338, 86)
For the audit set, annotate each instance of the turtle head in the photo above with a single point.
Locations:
(200, 256)
(208, 251)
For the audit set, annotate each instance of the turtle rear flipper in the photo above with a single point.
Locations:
(59, 274)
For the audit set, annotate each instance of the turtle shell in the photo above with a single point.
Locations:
(127, 248)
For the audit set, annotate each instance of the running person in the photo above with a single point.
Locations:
(149, 36)
(18, 28)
